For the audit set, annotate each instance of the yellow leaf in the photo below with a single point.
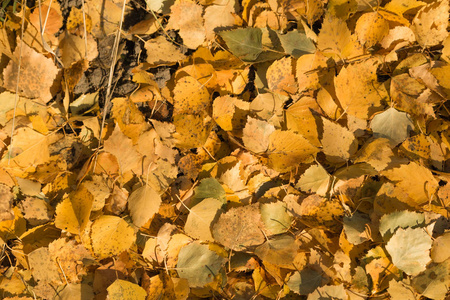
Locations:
(338, 142)
(191, 97)
(186, 16)
(371, 28)
(377, 153)
(37, 75)
(425, 185)
(255, 135)
(401, 6)
(309, 69)
(162, 52)
(300, 118)
(430, 23)
(105, 15)
(72, 214)
(288, 149)
(358, 89)
(336, 40)
(143, 204)
(129, 118)
(192, 131)
(122, 148)
(203, 73)
(125, 290)
(280, 77)
(110, 236)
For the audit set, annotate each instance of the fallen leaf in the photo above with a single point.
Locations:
(198, 264)
(122, 148)
(371, 28)
(358, 90)
(200, 218)
(433, 282)
(218, 17)
(256, 135)
(186, 16)
(338, 142)
(393, 125)
(425, 186)
(288, 149)
(239, 228)
(162, 52)
(296, 43)
(110, 235)
(6, 200)
(305, 281)
(430, 23)
(37, 75)
(275, 217)
(280, 77)
(122, 289)
(439, 251)
(279, 250)
(72, 214)
(315, 180)
(143, 204)
(355, 228)
(245, 43)
(410, 250)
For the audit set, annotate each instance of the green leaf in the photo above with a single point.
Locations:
(83, 104)
(393, 125)
(355, 228)
(315, 180)
(209, 188)
(305, 281)
(389, 223)
(245, 43)
(410, 250)
(275, 217)
(296, 43)
(198, 264)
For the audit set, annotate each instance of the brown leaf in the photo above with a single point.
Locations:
(37, 75)
(239, 228)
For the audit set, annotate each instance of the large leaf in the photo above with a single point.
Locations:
(393, 125)
(390, 222)
(434, 282)
(143, 204)
(410, 250)
(296, 43)
(240, 227)
(111, 235)
(275, 217)
(209, 188)
(198, 264)
(198, 223)
(125, 290)
(305, 281)
(245, 43)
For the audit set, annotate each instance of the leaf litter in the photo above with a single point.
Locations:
(252, 150)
